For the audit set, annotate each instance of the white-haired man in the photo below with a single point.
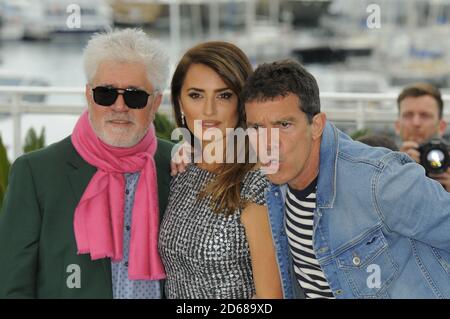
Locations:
(80, 217)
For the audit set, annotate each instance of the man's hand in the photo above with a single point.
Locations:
(411, 148)
(181, 157)
(443, 178)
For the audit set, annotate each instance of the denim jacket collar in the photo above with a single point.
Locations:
(326, 184)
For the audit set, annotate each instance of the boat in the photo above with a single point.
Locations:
(94, 15)
(39, 19)
(11, 19)
(135, 12)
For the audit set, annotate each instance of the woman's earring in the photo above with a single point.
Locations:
(183, 121)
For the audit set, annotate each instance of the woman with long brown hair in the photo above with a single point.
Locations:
(215, 239)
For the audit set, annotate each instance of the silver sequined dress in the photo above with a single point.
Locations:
(206, 255)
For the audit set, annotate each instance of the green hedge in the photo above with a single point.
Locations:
(32, 143)
(163, 126)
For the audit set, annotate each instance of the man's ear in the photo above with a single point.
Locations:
(88, 93)
(442, 127)
(156, 103)
(318, 124)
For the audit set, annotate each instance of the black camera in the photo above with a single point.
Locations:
(434, 156)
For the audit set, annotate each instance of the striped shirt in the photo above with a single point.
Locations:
(300, 206)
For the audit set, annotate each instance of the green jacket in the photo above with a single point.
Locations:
(37, 243)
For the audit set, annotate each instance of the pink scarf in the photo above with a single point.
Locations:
(99, 216)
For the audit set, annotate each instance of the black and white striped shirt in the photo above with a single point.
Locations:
(300, 206)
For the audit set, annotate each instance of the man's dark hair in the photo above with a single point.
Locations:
(378, 140)
(422, 89)
(281, 78)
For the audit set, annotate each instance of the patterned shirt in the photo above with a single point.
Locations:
(206, 254)
(123, 288)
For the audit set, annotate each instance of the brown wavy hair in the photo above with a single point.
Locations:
(233, 67)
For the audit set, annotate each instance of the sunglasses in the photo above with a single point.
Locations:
(134, 98)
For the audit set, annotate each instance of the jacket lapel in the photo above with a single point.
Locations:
(79, 174)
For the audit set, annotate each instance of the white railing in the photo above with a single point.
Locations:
(358, 108)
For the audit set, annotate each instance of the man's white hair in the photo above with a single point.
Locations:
(129, 46)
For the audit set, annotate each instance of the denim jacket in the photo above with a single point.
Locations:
(381, 227)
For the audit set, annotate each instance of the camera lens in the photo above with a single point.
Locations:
(435, 158)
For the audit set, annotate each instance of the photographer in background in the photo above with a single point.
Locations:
(420, 120)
